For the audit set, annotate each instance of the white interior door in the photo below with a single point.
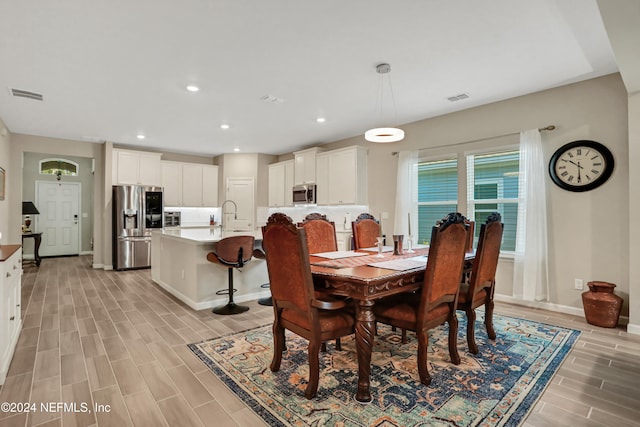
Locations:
(59, 219)
(241, 191)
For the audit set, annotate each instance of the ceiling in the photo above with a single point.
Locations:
(113, 69)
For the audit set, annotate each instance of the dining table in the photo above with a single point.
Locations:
(366, 276)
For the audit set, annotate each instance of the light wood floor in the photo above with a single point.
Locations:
(115, 338)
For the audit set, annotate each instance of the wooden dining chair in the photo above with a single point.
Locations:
(366, 230)
(295, 304)
(321, 233)
(436, 303)
(321, 237)
(481, 285)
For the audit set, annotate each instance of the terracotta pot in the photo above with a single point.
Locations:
(601, 306)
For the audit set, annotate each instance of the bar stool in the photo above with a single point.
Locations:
(231, 252)
(268, 301)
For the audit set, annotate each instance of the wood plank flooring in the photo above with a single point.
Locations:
(115, 338)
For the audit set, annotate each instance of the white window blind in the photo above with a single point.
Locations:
(437, 193)
(492, 186)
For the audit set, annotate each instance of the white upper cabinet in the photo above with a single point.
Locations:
(342, 176)
(305, 166)
(172, 183)
(281, 184)
(209, 185)
(190, 184)
(136, 167)
(322, 178)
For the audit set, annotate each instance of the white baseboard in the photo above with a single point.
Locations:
(86, 253)
(202, 305)
(633, 329)
(559, 308)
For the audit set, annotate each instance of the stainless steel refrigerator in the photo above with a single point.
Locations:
(137, 211)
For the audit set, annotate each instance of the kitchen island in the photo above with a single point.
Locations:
(179, 265)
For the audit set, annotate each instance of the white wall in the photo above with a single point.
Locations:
(588, 232)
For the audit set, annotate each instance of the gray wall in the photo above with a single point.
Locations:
(22, 144)
(588, 232)
(31, 174)
(5, 139)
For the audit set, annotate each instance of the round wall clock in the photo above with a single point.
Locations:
(581, 165)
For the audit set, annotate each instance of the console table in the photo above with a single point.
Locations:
(37, 239)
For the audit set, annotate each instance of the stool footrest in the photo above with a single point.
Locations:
(225, 291)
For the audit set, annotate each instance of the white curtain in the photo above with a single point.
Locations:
(530, 270)
(407, 196)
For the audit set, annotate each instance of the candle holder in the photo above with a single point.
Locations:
(380, 243)
(410, 245)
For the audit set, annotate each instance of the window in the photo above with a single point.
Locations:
(58, 167)
(492, 186)
(437, 193)
(489, 183)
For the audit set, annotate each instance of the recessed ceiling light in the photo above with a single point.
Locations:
(236, 149)
(140, 136)
(224, 126)
(321, 120)
(193, 88)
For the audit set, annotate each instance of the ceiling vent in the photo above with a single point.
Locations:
(271, 99)
(26, 94)
(458, 97)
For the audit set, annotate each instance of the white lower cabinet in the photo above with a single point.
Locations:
(10, 314)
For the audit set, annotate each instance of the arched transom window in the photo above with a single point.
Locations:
(58, 167)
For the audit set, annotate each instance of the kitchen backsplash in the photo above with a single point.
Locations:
(341, 215)
(196, 217)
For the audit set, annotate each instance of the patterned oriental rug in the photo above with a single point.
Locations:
(497, 387)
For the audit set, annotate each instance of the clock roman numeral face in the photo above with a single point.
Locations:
(580, 166)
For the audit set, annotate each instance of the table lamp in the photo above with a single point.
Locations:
(28, 208)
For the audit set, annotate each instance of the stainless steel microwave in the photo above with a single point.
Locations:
(304, 194)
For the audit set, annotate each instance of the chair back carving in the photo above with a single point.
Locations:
(287, 258)
(320, 232)
(234, 251)
(365, 230)
(485, 263)
(445, 262)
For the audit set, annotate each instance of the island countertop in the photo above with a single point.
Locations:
(204, 235)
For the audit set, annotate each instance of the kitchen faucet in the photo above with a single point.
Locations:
(235, 212)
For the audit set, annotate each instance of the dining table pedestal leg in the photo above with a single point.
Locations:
(365, 327)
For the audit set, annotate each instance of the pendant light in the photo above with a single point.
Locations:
(387, 134)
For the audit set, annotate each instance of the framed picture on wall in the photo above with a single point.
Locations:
(2, 181)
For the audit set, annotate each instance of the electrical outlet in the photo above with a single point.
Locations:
(578, 284)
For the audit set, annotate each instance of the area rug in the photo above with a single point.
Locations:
(497, 387)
